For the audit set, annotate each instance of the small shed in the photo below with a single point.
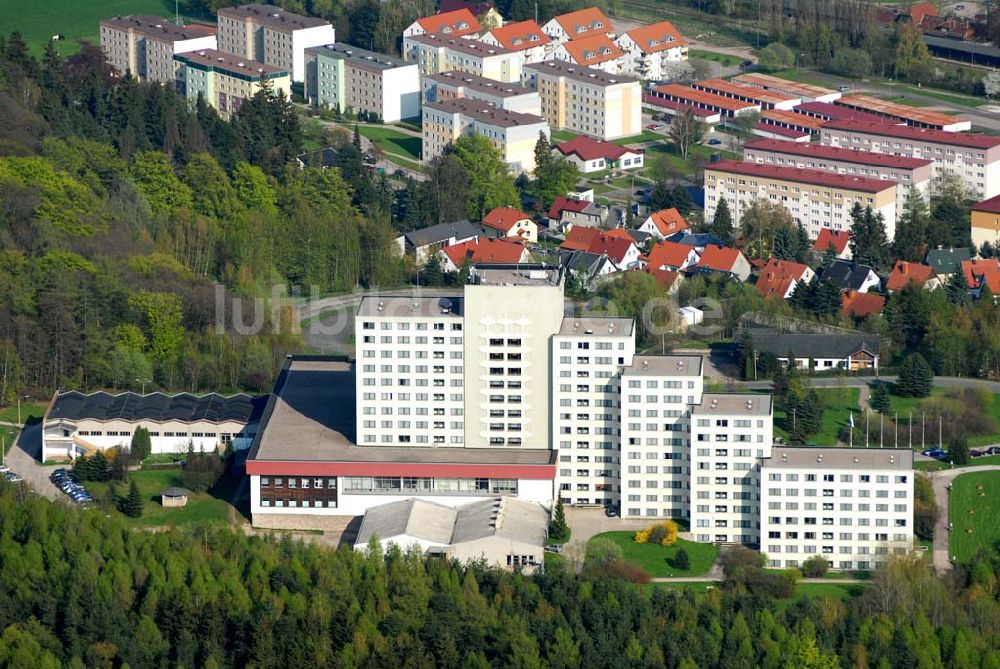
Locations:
(174, 497)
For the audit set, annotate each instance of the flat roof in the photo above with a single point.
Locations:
(733, 404)
(156, 407)
(777, 83)
(790, 117)
(595, 326)
(823, 151)
(830, 111)
(370, 59)
(737, 88)
(228, 62)
(806, 457)
(485, 112)
(272, 16)
(476, 82)
(703, 97)
(654, 101)
(311, 418)
(963, 139)
(397, 306)
(158, 27)
(664, 365)
(528, 274)
(469, 47)
(897, 110)
(582, 73)
(801, 175)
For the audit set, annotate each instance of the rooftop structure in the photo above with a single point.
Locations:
(272, 16)
(229, 63)
(159, 28)
(583, 74)
(664, 365)
(811, 457)
(597, 51)
(369, 59)
(466, 47)
(914, 116)
(155, 407)
(784, 117)
(807, 92)
(733, 404)
(577, 25)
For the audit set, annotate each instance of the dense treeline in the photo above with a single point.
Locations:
(120, 206)
(78, 589)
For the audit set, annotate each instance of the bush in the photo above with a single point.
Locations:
(601, 553)
(626, 572)
(925, 510)
(142, 445)
(915, 377)
(201, 471)
(681, 560)
(131, 504)
(815, 567)
(664, 534)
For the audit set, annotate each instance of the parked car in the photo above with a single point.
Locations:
(12, 477)
(843, 88)
(714, 142)
(976, 453)
(555, 548)
(611, 512)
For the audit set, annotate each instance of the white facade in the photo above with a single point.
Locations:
(302, 40)
(854, 507)
(649, 65)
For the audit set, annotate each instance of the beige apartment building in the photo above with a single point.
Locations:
(585, 100)
(144, 46)
(435, 54)
(450, 85)
(815, 198)
(270, 35)
(344, 77)
(224, 80)
(512, 133)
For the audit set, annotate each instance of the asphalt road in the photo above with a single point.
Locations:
(24, 460)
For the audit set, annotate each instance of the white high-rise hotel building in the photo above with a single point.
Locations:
(485, 382)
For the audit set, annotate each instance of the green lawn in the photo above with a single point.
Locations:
(903, 100)
(29, 410)
(644, 136)
(393, 142)
(201, 507)
(975, 513)
(654, 559)
(563, 136)
(953, 98)
(726, 59)
(904, 405)
(840, 403)
(842, 591)
(699, 587)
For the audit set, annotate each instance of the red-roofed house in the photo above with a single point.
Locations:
(648, 49)
(570, 212)
(671, 256)
(986, 222)
(524, 36)
(458, 23)
(780, 277)
(484, 10)
(904, 273)
(483, 251)
(578, 24)
(982, 272)
(620, 248)
(664, 223)
(593, 155)
(838, 238)
(510, 222)
(918, 11)
(859, 305)
(723, 260)
(596, 51)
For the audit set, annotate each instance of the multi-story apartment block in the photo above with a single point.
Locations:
(512, 133)
(577, 25)
(225, 80)
(854, 507)
(649, 50)
(986, 222)
(451, 85)
(815, 198)
(973, 158)
(523, 36)
(434, 54)
(270, 35)
(906, 172)
(588, 355)
(351, 79)
(657, 396)
(730, 434)
(144, 46)
(585, 100)
(596, 51)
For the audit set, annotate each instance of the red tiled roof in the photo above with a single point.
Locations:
(983, 271)
(778, 116)
(839, 239)
(669, 254)
(860, 305)
(990, 206)
(504, 218)
(669, 221)
(831, 112)
(963, 139)
(579, 237)
(918, 10)
(485, 251)
(777, 277)
(721, 258)
(799, 175)
(657, 37)
(654, 101)
(822, 151)
(686, 93)
(905, 272)
(562, 203)
(592, 149)
(664, 277)
(584, 22)
(612, 245)
(784, 132)
(520, 35)
(453, 24)
(738, 89)
(898, 110)
(592, 50)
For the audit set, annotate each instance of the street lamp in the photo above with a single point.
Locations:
(19, 397)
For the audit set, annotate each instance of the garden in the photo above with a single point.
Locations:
(677, 559)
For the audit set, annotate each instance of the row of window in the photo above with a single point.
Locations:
(843, 536)
(843, 478)
(828, 549)
(389, 325)
(830, 492)
(420, 484)
(827, 520)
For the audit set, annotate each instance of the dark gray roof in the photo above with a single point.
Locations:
(845, 274)
(699, 240)
(639, 236)
(946, 261)
(780, 345)
(319, 158)
(175, 492)
(156, 407)
(436, 233)
(584, 262)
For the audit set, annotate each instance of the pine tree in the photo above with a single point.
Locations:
(681, 560)
(722, 222)
(131, 504)
(958, 449)
(915, 377)
(356, 139)
(957, 288)
(558, 529)
(880, 399)
(803, 251)
(433, 274)
(784, 244)
(869, 244)
(910, 242)
(747, 355)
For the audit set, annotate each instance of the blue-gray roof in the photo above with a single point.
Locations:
(156, 407)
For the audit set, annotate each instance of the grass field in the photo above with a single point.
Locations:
(840, 403)
(38, 20)
(975, 513)
(29, 410)
(726, 59)
(393, 142)
(654, 559)
(904, 405)
(201, 507)
(841, 591)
